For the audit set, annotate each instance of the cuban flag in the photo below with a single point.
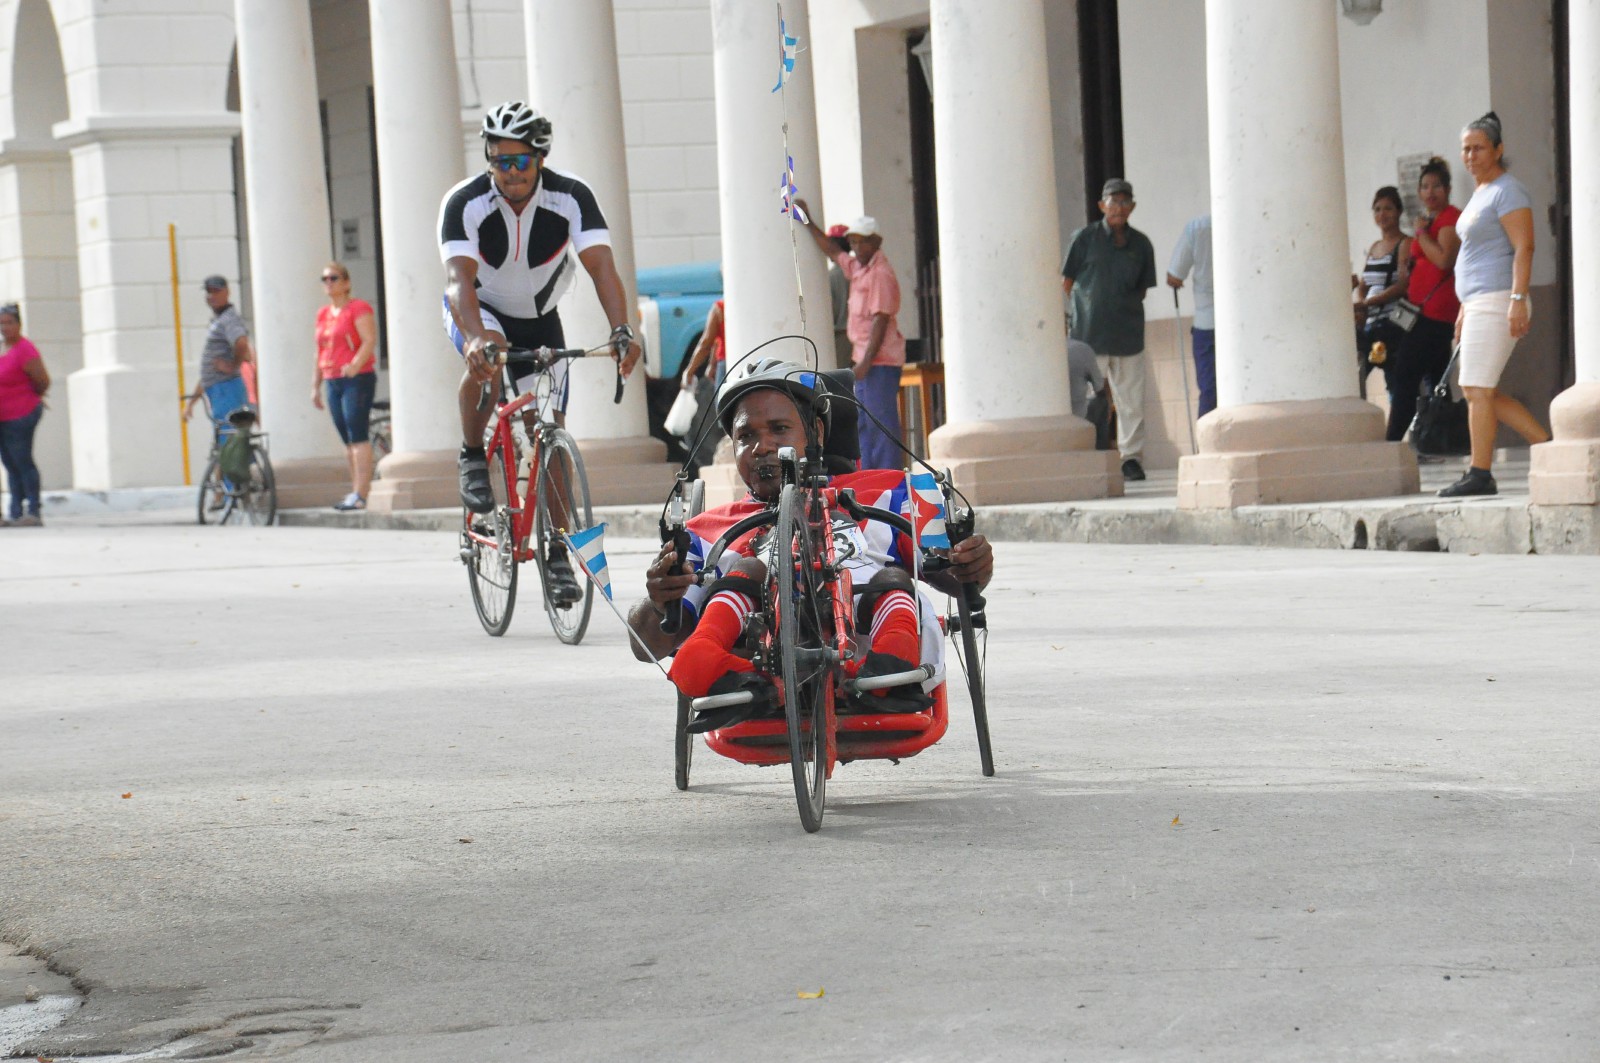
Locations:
(786, 48)
(927, 511)
(787, 192)
(590, 547)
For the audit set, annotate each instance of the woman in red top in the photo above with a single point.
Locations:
(347, 371)
(1425, 351)
(23, 382)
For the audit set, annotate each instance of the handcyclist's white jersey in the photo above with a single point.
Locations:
(524, 267)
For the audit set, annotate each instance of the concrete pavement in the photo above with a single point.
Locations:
(1288, 805)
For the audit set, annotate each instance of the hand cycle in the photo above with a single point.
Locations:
(803, 635)
(253, 498)
(540, 491)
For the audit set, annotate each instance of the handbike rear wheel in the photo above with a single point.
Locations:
(803, 633)
(562, 507)
(973, 663)
(492, 569)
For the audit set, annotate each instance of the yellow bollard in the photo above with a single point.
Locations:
(177, 333)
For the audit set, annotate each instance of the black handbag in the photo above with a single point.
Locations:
(1440, 426)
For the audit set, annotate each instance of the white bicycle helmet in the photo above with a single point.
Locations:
(800, 383)
(515, 120)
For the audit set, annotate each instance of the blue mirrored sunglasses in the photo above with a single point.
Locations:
(507, 163)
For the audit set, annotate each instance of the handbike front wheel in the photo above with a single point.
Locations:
(492, 564)
(683, 743)
(563, 506)
(797, 598)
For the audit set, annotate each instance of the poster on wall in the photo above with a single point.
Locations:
(1409, 170)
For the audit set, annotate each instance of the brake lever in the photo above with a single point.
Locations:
(674, 529)
(496, 357)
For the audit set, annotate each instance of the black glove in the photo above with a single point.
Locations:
(765, 702)
(908, 697)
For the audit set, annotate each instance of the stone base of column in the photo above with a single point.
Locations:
(1566, 470)
(126, 430)
(1026, 459)
(311, 482)
(416, 480)
(1320, 450)
(625, 472)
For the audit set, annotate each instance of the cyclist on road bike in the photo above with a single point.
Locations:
(505, 237)
(765, 406)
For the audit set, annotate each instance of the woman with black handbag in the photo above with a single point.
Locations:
(1383, 283)
(1430, 305)
(1493, 272)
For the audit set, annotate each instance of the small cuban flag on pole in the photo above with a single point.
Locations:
(787, 193)
(786, 47)
(928, 511)
(590, 547)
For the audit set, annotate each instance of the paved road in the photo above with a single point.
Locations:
(1251, 805)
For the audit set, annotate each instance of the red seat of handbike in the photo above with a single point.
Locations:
(864, 736)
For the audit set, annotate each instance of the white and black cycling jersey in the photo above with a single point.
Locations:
(524, 267)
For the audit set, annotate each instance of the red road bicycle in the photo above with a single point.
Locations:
(540, 492)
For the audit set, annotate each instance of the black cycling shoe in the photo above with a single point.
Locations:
(1132, 470)
(1473, 482)
(763, 703)
(473, 472)
(564, 587)
(908, 697)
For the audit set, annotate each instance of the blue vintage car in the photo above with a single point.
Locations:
(674, 302)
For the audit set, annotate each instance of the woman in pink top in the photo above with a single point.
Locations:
(347, 343)
(23, 382)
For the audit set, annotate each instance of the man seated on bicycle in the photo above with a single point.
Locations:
(765, 406)
(504, 236)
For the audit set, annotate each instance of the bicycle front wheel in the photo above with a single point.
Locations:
(804, 615)
(260, 495)
(212, 495)
(563, 506)
(488, 546)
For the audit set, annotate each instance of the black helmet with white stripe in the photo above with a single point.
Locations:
(515, 120)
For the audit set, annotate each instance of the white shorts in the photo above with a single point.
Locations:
(1486, 339)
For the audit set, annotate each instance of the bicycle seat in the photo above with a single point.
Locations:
(243, 417)
(381, 404)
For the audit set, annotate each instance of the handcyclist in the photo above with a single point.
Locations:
(764, 406)
(505, 237)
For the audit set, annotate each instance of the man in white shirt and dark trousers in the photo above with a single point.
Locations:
(1193, 252)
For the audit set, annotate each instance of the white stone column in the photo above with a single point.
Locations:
(289, 241)
(1289, 427)
(572, 67)
(1566, 471)
(1011, 436)
(760, 252)
(418, 127)
(758, 257)
(132, 175)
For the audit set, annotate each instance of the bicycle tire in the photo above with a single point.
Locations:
(492, 571)
(973, 664)
(382, 444)
(211, 491)
(570, 620)
(807, 688)
(261, 496)
(683, 743)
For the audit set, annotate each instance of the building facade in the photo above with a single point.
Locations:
(976, 132)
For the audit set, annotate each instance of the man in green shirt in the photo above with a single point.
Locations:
(1109, 267)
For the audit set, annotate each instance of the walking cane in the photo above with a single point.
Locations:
(1183, 365)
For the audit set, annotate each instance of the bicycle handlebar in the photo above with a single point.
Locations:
(545, 358)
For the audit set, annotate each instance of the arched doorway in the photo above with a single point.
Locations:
(39, 255)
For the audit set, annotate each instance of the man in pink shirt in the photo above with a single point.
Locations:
(877, 347)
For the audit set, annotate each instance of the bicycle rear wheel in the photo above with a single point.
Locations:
(492, 565)
(804, 627)
(563, 506)
(973, 663)
(212, 496)
(260, 496)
